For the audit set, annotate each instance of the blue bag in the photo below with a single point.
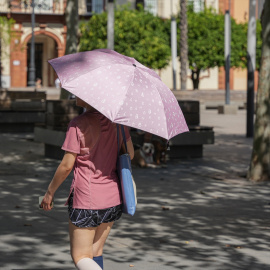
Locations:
(124, 169)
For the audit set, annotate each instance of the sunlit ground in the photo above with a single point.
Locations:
(194, 214)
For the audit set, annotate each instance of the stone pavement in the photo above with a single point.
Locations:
(194, 214)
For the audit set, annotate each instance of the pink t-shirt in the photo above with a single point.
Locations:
(93, 137)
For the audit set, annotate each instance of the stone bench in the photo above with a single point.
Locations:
(185, 145)
(190, 144)
(20, 111)
(52, 139)
(58, 115)
(60, 112)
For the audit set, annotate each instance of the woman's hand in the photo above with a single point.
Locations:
(46, 203)
(60, 175)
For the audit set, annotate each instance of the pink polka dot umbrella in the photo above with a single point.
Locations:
(123, 90)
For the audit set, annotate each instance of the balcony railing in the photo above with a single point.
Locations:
(41, 6)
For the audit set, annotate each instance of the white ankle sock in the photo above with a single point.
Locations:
(87, 264)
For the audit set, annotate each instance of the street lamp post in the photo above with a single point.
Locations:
(227, 54)
(251, 64)
(173, 45)
(32, 68)
(110, 25)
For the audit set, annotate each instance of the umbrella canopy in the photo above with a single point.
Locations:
(122, 89)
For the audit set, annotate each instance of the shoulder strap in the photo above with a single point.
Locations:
(118, 148)
(123, 136)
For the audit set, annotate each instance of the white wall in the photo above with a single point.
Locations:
(165, 9)
(209, 82)
(212, 3)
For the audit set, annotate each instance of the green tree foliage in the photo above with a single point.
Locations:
(5, 36)
(206, 42)
(138, 34)
(258, 44)
(146, 37)
(5, 29)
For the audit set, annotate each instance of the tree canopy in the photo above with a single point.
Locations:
(5, 36)
(258, 44)
(206, 42)
(138, 34)
(5, 29)
(146, 37)
(205, 39)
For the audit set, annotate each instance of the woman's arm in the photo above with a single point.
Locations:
(60, 175)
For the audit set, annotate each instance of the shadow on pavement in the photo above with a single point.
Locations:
(194, 214)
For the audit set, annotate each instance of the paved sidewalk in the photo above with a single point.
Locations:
(214, 217)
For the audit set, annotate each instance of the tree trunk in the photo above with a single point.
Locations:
(183, 44)
(0, 61)
(260, 161)
(195, 76)
(72, 21)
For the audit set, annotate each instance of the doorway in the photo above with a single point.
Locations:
(38, 60)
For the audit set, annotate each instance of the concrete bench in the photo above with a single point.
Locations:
(20, 111)
(60, 112)
(190, 144)
(58, 115)
(52, 139)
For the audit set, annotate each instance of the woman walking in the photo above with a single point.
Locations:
(94, 202)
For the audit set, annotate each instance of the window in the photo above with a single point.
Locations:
(88, 6)
(151, 6)
(94, 6)
(43, 6)
(198, 5)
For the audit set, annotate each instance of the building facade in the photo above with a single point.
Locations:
(50, 38)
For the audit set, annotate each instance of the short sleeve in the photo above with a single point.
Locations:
(72, 141)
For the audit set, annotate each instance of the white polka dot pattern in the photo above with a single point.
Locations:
(123, 90)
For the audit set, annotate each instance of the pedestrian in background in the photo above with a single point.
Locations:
(38, 83)
(94, 203)
(57, 83)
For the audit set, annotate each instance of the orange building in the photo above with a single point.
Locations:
(50, 37)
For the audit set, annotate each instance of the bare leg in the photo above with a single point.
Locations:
(100, 238)
(81, 242)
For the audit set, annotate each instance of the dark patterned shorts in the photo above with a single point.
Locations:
(92, 218)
